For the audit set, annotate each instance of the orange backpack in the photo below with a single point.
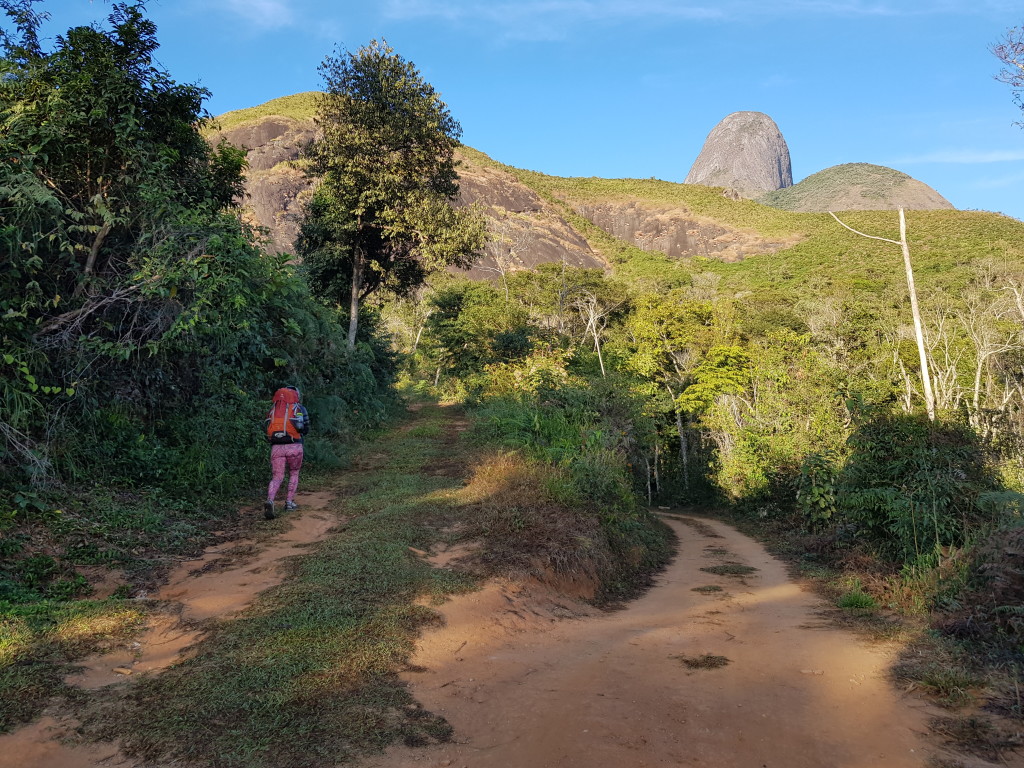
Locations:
(281, 429)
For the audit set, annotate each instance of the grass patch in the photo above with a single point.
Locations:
(856, 600)
(40, 642)
(730, 569)
(308, 675)
(708, 589)
(976, 735)
(426, 430)
(532, 522)
(935, 667)
(704, 661)
(300, 106)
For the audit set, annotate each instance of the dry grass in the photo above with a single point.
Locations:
(976, 735)
(531, 523)
(525, 527)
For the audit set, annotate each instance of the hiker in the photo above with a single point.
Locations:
(286, 424)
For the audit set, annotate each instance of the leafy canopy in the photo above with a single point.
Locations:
(382, 215)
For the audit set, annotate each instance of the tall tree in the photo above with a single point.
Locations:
(1010, 51)
(926, 379)
(670, 336)
(382, 215)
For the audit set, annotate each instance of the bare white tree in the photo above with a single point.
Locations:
(507, 241)
(594, 311)
(929, 396)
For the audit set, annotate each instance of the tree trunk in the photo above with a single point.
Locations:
(647, 466)
(419, 333)
(94, 251)
(929, 396)
(353, 307)
(657, 471)
(684, 456)
(597, 346)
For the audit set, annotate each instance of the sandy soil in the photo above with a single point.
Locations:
(531, 679)
(523, 688)
(223, 581)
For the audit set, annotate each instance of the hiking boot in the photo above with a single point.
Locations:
(268, 510)
(290, 505)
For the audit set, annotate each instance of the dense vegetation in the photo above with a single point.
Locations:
(785, 386)
(141, 324)
(143, 327)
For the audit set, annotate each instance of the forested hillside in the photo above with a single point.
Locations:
(694, 350)
(142, 324)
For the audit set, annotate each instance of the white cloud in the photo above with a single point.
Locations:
(552, 20)
(543, 12)
(965, 156)
(999, 182)
(268, 14)
(512, 13)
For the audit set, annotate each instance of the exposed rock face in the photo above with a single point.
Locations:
(674, 231)
(527, 231)
(274, 188)
(857, 187)
(744, 152)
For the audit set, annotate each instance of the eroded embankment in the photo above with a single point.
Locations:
(708, 668)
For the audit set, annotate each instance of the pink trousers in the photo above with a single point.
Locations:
(282, 456)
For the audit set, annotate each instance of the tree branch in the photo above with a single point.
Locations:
(856, 232)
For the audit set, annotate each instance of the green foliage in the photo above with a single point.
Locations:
(830, 188)
(299, 106)
(816, 488)
(381, 216)
(912, 486)
(142, 328)
(856, 600)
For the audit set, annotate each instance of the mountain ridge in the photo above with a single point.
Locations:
(535, 218)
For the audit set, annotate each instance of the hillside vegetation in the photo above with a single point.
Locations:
(856, 186)
(143, 328)
(299, 106)
(785, 385)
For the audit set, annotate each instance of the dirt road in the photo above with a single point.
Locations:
(524, 689)
(716, 668)
(217, 585)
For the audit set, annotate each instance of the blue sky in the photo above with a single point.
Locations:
(631, 88)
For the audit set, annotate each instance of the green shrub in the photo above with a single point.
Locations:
(856, 600)
(912, 486)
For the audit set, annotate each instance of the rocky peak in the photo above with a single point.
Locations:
(745, 152)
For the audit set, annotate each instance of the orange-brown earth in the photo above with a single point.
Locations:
(222, 582)
(530, 680)
(703, 670)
